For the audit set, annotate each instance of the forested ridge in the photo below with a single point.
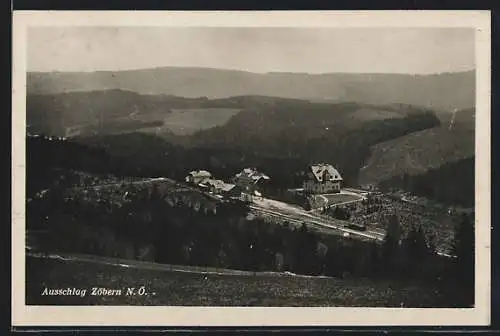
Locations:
(452, 183)
(444, 91)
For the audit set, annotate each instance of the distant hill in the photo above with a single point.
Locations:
(111, 111)
(266, 128)
(279, 140)
(338, 133)
(53, 113)
(417, 152)
(302, 121)
(440, 91)
(118, 111)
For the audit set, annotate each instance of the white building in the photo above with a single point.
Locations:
(322, 179)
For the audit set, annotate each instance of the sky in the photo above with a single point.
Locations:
(311, 50)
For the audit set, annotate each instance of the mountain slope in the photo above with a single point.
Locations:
(418, 152)
(332, 133)
(116, 111)
(451, 183)
(440, 91)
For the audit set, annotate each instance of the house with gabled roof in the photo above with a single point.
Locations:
(197, 176)
(220, 188)
(322, 178)
(250, 180)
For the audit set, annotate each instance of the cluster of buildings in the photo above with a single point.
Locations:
(319, 178)
(243, 186)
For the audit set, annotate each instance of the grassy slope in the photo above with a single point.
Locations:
(188, 121)
(189, 289)
(420, 151)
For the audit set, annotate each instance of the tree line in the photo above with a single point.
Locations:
(452, 183)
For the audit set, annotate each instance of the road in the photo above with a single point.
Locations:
(319, 222)
(333, 225)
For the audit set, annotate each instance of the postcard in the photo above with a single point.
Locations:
(280, 168)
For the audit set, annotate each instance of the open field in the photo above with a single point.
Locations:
(374, 113)
(188, 289)
(188, 121)
(343, 198)
(176, 121)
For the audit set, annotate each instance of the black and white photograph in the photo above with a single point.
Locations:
(177, 163)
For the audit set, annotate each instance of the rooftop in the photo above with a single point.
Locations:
(253, 173)
(200, 173)
(321, 170)
(218, 184)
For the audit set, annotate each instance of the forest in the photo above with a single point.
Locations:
(450, 184)
(315, 133)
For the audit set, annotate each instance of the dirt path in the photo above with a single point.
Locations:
(146, 265)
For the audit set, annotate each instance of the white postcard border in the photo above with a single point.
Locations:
(23, 315)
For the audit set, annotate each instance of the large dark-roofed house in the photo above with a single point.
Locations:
(322, 178)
